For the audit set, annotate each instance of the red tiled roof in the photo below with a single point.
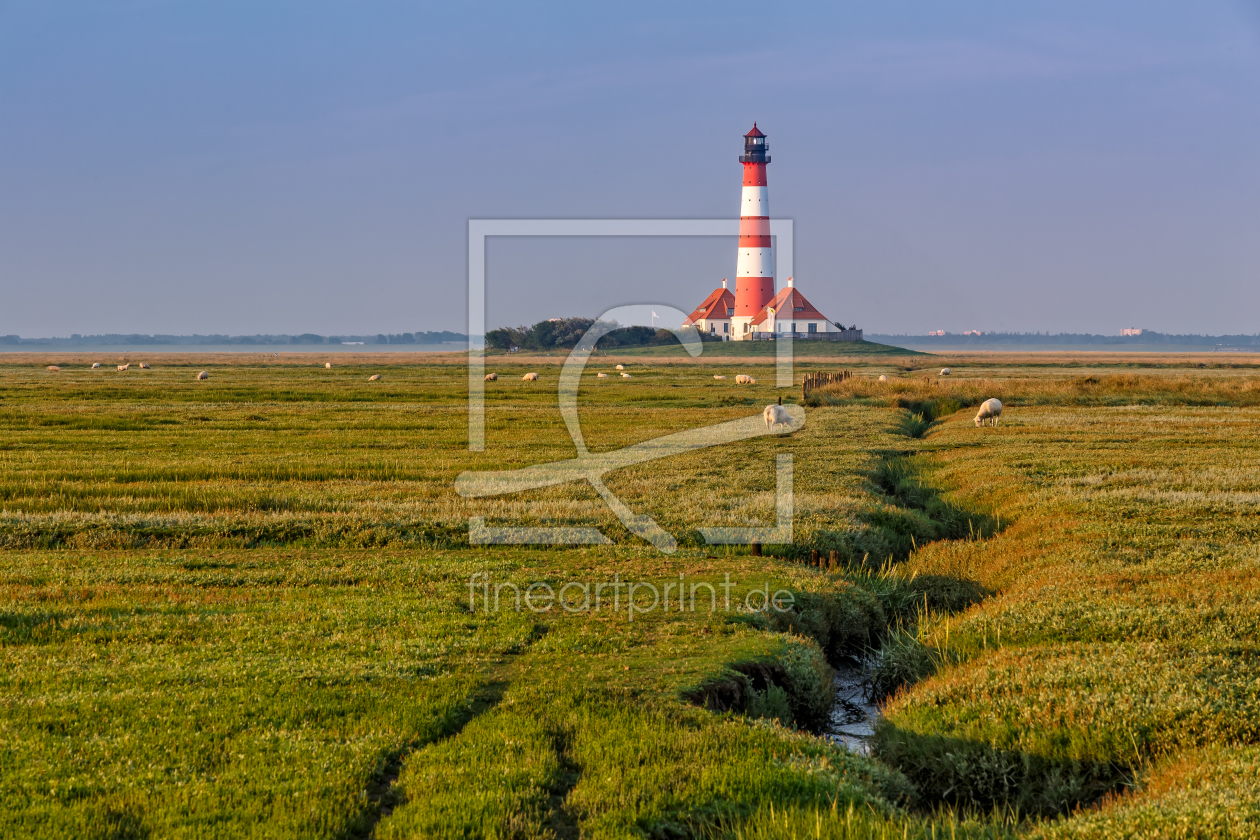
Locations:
(756, 132)
(784, 305)
(714, 306)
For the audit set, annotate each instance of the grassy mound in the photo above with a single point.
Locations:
(768, 349)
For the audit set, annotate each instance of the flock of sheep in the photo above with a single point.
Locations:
(741, 379)
(775, 415)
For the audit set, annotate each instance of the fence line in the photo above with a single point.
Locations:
(817, 380)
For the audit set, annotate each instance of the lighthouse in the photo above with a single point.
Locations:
(755, 311)
(754, 267)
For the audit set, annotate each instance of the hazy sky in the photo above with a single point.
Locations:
(311, 167)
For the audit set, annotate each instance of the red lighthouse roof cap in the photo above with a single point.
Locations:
(756, 132)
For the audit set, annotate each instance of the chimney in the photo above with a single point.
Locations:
(723, 282)
(790, 283)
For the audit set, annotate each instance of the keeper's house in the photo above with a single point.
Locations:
(789, 314)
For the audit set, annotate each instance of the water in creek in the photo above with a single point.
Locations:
(854, 716)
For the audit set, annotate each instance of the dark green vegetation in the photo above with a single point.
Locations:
(241, 608)
(565, 333)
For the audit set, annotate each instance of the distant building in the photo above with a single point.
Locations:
(1131, 332)
(972, 332)
(937, 332)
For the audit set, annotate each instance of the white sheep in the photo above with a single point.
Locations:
(944, 371)
(327, 365)
(530, 377)
(54, 369)
(745, 379)
(715, 376)
(989, 410)
(621, 367)
(625, 375)
(376, 377)
(124, 367)
(96, 365)
(776, 415)
(601, 376)
(145, 366)
(492, 377)
(203, 375)
(883, 378)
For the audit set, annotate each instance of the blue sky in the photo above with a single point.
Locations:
(310, 167)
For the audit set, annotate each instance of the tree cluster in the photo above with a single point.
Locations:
(564, 334)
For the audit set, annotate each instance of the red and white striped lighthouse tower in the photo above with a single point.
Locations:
(754, 270)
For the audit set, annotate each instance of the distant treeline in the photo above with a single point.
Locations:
(264, 340)
(564, 333)
(1148, 337)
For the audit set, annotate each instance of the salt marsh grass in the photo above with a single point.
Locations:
(238, 607)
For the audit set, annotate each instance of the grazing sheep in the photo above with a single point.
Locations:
(625, 376)
(202, 375)
(124, 367)
(718, 377)
(621, 367)
(601, 376)
(96, 365)
(530, 377)
(944, 371)
(327, 365)
(54, 369)
(776, 415)
(745, 379)
(492, 377)
(376, 377)
(989, 410)
(883, 378)
(145, 366)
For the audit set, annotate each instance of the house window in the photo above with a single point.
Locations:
(793, 326)
(712, 329)
(726, 327)
(813, 328)
(730, 310)
(745, 327)
(798, 309)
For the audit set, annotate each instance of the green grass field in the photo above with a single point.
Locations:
(242, 607)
